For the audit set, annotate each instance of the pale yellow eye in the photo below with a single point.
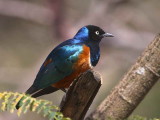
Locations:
(97, 32)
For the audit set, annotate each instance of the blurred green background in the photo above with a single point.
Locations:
(30, 29)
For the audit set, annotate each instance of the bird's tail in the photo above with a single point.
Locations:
(37, 92)
(31, 90)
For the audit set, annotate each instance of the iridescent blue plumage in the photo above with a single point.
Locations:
(82, 34)
(61, 64)
(67, 61)
(63, 59)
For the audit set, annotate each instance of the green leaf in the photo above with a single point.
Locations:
(137, 117)
(26, 102)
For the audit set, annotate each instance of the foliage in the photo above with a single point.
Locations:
(9, 101)
(140, 118)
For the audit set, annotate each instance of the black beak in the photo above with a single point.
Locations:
(107, 35)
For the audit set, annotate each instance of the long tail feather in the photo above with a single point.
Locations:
(44, 91)
(36, 93)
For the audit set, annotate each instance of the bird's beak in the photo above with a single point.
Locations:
(107, 35)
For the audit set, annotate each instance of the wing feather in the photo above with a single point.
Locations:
(61, 65)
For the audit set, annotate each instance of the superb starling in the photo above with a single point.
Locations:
(68, 60)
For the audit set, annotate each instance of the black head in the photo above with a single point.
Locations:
(91, 33)
(96, 33)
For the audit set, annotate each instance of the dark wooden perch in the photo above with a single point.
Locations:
(80, 95)
(131, 90)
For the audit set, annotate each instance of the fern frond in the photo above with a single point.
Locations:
(137, 117)
(26, 102)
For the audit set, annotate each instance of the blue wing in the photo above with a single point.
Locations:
(62, 59)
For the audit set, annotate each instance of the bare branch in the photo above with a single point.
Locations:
(80, 95)
(131, 90)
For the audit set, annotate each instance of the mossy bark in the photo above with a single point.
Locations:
(80, 95)
(131, 90)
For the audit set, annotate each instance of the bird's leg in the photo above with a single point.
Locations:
(63, 89)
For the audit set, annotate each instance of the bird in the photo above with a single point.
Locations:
(68, 60)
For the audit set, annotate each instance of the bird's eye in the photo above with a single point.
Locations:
(97, 32)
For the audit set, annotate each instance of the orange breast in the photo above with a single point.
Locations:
(80, 66)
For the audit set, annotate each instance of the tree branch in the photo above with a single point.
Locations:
(80, 95)
(131, 90)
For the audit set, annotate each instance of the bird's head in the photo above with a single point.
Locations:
(91, 33)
